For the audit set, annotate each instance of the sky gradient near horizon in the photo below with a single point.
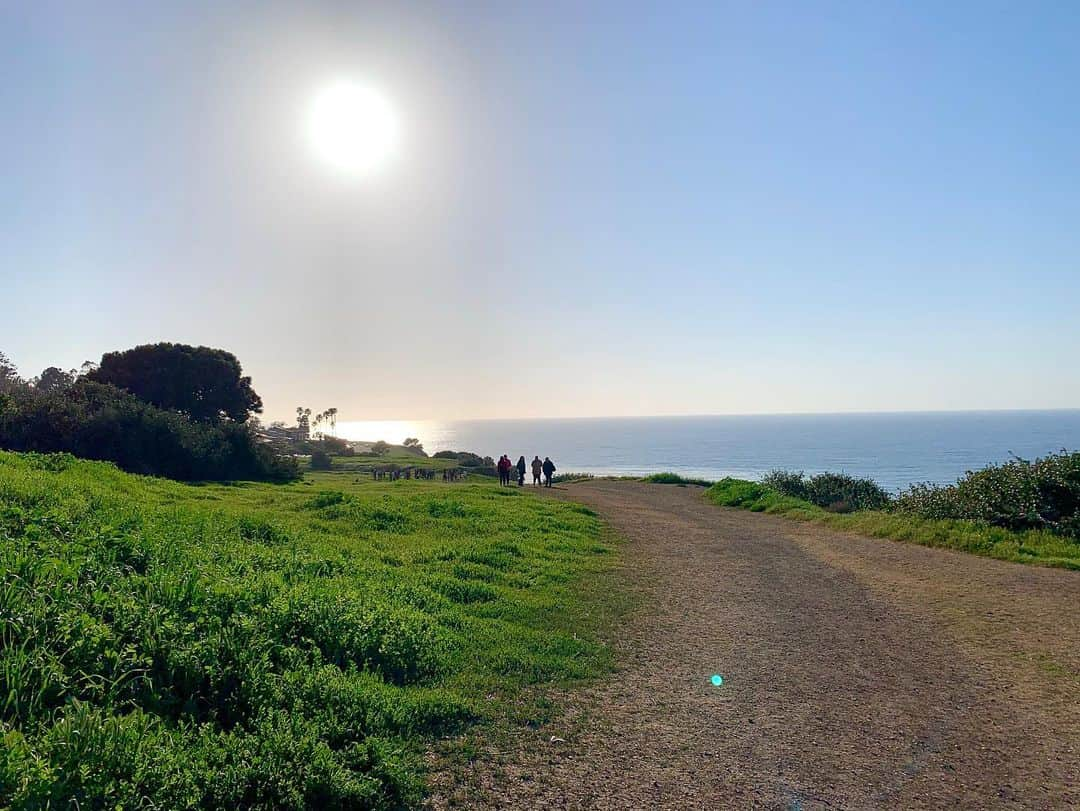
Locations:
(596, 208)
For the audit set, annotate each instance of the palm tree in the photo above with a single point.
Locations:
(303, 422)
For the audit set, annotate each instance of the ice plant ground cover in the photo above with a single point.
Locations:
(165, 645)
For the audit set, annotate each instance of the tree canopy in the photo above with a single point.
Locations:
(205, 384)
(55, 379)
(9, 375)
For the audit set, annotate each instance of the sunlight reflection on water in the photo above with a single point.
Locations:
(894, 449)
(393, 431)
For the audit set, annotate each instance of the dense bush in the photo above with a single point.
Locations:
(975, 537)
(1018, 495)
(481, 465)
(836, 492)
(99, 421)
(329, 444)
(466, 459)
(320, 460)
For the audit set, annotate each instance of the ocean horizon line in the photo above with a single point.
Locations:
(906, 412)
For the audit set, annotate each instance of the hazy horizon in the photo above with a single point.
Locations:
(894, 449)
(471, 211)
(287, 414)
(433, 432)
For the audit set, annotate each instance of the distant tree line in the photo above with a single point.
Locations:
(161, 409)
(305, 422)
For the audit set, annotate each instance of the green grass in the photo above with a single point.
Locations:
(570, 478)
(977, 538)
(366, 463)
(675, 478)
(278, 646)
(361, 466)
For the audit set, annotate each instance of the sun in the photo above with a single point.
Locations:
(352, 127)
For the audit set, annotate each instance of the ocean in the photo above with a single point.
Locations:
(894, 449)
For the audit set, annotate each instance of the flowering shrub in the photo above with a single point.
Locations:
(1044, 494)
(836, 492)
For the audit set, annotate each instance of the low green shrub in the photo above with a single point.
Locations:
(755, 497)
(327, 498)
(1017, 495)
(729, 492)
(675, 478)
(320, 460)
(466, 459)
(976, 537)
(788, 482)
(836, 492)
(567, 478)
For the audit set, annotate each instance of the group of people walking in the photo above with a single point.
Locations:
(508, 469)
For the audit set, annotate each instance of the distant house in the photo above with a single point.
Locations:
(284, 433)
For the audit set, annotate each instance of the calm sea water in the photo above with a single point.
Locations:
(894, 449)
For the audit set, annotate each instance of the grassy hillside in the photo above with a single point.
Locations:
(168, 646)
(1032, 546)
(364, 464)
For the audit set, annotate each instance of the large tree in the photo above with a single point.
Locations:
(205, 384)
(9, 375)
(55, 379)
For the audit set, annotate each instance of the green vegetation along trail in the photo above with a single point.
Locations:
(858, 673)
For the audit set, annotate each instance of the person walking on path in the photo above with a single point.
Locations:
(504, 469)
(521, 471)
(548, 468)
(537, 468)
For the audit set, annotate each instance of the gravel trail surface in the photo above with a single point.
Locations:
(858, 673)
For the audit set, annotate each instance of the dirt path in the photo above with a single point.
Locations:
(858, 673)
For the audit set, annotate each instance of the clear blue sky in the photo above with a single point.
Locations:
(596, 208)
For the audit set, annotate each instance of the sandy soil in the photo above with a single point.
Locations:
(858, 673)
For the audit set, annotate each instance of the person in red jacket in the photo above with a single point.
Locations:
(504, 469)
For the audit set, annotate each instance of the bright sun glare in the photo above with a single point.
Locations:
(352, 127)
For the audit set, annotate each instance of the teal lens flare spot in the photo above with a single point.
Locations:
(717, 680)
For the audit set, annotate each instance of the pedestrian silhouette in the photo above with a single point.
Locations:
(548, 468)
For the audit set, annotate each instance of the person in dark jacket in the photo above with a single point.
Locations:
(521, 471)
(537, 468)
(548, 468)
